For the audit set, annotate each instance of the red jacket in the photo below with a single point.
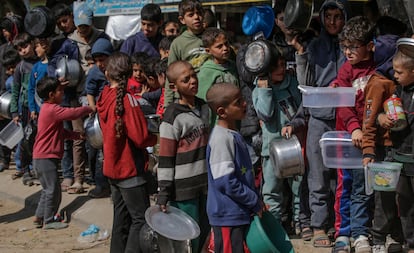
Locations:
(119, 162)
(350, 118)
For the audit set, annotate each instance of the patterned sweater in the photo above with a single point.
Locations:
(182, 172)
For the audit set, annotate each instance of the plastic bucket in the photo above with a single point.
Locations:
(258, 19)
(266, 235)
(11, 135)
(384, 176)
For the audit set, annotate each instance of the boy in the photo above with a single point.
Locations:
(48, 149)
(164, 46)
(149, 37)
(352, 204)
(182, 172)
(137, 82)
(403, 65)
(188, 46)
(19, 107)
(276, 102)
(232, 198)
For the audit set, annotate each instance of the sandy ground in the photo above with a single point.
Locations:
(17, 234)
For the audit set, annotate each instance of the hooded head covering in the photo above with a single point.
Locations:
(13, 24)
(385, 49)
(102, 46)
(340, 4)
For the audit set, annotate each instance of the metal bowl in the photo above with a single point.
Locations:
(406, 46)
(69, 69)
(5, 102)
(93, 131)
(153, 123)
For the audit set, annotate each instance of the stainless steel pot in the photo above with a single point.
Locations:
(298, 14)
(70, 69)
(153, 123)
(93, 131)
(5, 101)
(286, 157)
(259, 56)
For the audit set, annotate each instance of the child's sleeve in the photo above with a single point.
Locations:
(15, 88)
(31, 91)
(263, 104)
(226, 175)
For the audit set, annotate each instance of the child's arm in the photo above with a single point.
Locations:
(68, 113)
(31, 93)
(263, 100)
(15, 90)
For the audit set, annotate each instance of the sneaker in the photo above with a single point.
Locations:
(27, 179)
(392, 246)
(379, 249)
(55, 225)
(99, 192)
(362, 245)
(342, 245)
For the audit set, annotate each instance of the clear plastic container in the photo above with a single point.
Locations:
(384, 176)
(339, 152)
(320, 97)
(11, 135)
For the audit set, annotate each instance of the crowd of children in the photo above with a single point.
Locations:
(218, 122)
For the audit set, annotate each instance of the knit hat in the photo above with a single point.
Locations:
(83, 15)
(102, 46)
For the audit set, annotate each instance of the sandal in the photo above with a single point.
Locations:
(38, 222)
(76, 188)
(17, 174)
(306, 234)
(66, 183)
(319, 239)
(342, 245)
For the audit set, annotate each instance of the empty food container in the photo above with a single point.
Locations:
(320, 97)
(384, 176)
(339, 152)
(11, 135)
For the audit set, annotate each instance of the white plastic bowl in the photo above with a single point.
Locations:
(11, 135)
(322, 97)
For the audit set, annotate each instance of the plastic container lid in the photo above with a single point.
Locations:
(258, 19)
(175, 224)
(11, 135)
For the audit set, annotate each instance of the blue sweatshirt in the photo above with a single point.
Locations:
(39, 70)
(232, 197)
(140, 43)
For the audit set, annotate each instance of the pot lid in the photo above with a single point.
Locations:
(298, 14)
(175, 224)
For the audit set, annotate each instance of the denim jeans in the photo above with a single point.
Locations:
(95, 159)
(130, 205)
(67, 159)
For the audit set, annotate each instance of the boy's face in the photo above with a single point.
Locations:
(356, 52)
(279, 21)
(220, 50)
(164, 53)
(187, 82)
(26, 51)
(278, 72)
(66, 24)
(138, 73)
(236, 110)
(40, 50)
(334, 21)
(193, 20)
(171, 29)
(149, 28)
(84, 31)
(57, 96)
(161, 79)
(100, 61)
(403, 75)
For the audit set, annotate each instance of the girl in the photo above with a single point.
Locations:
(125, 137)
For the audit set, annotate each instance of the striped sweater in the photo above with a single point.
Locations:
(182, 172)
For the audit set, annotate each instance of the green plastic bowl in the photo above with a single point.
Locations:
(266, 235)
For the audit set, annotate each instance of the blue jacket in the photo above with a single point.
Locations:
(39, 70)
(232, 197)
(140, 43)
(95, 81)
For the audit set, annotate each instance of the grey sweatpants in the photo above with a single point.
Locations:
(320, 196)
(51, 194)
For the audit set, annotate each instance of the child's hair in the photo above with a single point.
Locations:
(22, 40)
(189, 5)
(88, 55)
(45, 86)
(404, 60)
(357, 29)
(119, 69)
(149, 66)
(61, 9)
(390, 25)
(210, 35)
(10, 58)
(172, 71)
(151, 12)
(209, 18)
(139, 58)
(44, 43)
(161, 67)
(13, 24)
(218, 95)
(165, 42)
(280, 6)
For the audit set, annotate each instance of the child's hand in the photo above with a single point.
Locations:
(262, 82)
(16, 120)
(287, 131)
(385, 121)
(33, 115)
(357, 138)
(367, 160)
(144, 88)
(163, 208)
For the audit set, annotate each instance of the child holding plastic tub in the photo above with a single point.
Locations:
(232, 197)
(276, 99)
(48, 149)
(184, 131)
(125, 137)
(403, 65)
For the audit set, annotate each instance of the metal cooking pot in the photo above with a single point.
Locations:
(153, 123)
(259, 56)
(286, 157)
(40, 22)
(93, 131)
(5, 102)
(298, 14)
(70, 69)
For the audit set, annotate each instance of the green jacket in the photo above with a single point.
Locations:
(20, 85)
